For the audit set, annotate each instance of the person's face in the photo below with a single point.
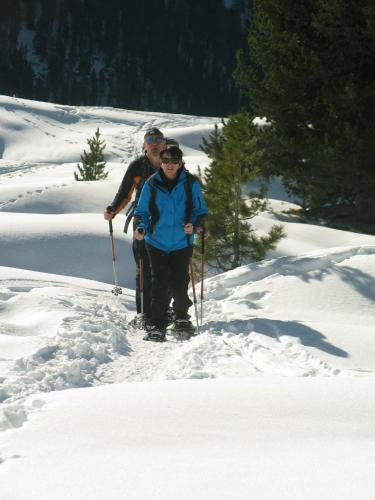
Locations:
(153, 144)
(170, 166)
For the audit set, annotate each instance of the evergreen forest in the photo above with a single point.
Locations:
(160, 55)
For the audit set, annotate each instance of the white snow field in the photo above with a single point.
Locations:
(274, 399)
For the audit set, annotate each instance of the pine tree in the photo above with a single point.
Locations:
(311, 72)
(233, 241)
(93, 164)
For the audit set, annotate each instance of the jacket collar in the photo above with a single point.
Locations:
(162, 181)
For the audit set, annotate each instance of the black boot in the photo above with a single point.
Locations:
(155, 334)
(183, 328)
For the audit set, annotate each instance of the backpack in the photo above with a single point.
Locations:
(189, 179)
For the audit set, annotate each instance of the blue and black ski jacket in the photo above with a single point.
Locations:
(162, 212)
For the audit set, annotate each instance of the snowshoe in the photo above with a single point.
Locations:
(183, 325)
(155, 335)
(183, 329)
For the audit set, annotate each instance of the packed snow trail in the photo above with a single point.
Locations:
(78, 337)
(259, 319)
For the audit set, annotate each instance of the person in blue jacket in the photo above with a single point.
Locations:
(170, 210)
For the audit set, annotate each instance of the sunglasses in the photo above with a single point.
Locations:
(150, 139)
(170, 161)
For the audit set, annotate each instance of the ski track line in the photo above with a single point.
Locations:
(35, 192)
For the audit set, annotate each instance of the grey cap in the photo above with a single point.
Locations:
(153, 131)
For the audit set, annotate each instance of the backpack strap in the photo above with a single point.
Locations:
(155, 214)
(129, 215)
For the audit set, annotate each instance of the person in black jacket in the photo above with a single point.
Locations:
(135, 176)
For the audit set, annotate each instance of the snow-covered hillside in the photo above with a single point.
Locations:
(275, 399)
(40, 145)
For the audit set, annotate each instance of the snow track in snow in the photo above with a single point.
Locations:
(77, 337)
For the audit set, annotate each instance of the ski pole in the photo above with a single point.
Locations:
(117, 289)
(203, 233)
(194, 294)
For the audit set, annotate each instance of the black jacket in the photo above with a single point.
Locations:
(135, 176)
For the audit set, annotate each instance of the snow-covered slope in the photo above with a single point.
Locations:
(40, 147)
(274, 399)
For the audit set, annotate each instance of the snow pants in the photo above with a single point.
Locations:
(170, 276)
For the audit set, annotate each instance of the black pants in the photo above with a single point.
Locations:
(170, 275)
(139, 251)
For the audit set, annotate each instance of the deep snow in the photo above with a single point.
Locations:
(274, 399)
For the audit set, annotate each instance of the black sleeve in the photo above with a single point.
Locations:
(130, 180)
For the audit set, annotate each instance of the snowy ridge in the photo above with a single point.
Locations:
(52, 133)
(314, 261)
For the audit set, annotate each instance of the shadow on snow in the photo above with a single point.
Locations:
(275, 329)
